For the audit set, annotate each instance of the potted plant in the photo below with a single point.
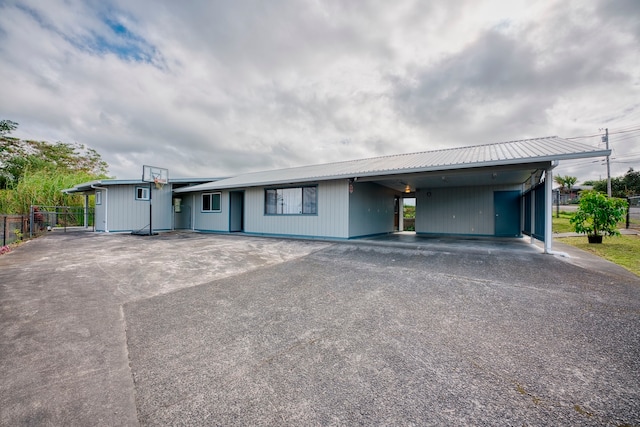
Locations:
(598, 215)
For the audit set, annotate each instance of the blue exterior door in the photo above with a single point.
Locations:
(236, 211)
(506, 207)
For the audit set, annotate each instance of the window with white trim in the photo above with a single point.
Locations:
(142, 193)
(291, 201)
(98, 197)
(211, 202)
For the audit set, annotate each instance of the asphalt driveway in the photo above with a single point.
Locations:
(191, 329)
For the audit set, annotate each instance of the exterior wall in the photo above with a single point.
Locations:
(210, 221)
(183, 219)
(371, 209)
(125, 213)
(330, 221)
(462, 210)
(100, 211)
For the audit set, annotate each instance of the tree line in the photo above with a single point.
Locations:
(36, 172)
(621, 187)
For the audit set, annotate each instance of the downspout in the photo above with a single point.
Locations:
(106, 206)
(548, 208)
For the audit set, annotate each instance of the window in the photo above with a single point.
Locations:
(142, 193)
(211, 202)
(291, 201)
(98, 197)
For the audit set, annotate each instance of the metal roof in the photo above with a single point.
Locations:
(89, 186)
(498, 154)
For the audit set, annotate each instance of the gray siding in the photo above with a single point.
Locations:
(371, 209)
(100, 220)
(211, 221)
(125, 213)
(464, 210)
(183, 219)
(331, 220)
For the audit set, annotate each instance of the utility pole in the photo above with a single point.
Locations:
(605, 139)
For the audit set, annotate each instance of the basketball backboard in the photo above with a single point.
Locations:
(155, 174)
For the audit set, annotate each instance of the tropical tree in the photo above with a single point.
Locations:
(559, 179)
(570, 181)
(565, 182)
(7, 126)
(35, 172)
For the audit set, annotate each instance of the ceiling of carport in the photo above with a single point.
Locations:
(506, 175)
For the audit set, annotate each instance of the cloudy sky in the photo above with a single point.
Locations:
(216, 88)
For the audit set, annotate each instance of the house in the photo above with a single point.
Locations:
(501, 190)
(498, 190)
(124, 205)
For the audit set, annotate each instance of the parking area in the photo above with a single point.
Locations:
(195, 329)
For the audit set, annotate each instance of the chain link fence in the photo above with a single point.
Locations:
(14, 228)
(42, 219)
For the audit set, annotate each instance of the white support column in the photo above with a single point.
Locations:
(548, 210)
(86, 211)
(532, 195)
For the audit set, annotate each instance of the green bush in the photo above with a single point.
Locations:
(598, 215)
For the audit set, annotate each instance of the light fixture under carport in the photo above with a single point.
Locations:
(407, 189)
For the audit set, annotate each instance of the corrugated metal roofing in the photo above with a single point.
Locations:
(503, 153)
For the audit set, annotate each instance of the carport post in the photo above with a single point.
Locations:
(533, 208)
(86, 211)
(548, 210)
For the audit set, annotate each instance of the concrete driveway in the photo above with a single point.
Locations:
(193, 329)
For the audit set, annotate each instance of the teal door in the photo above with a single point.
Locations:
(506, 207)
(236, 211)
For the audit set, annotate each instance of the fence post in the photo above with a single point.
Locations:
(628, 210)
(4, 231)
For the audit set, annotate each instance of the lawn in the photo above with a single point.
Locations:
(623, 250)
(561, 224)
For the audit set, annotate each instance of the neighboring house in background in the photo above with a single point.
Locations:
(501, 190)
(568, 197)
(123, 205)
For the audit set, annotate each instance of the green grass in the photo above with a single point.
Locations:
(561, 225)
(623, 250)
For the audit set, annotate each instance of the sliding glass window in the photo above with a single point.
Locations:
(291, 201)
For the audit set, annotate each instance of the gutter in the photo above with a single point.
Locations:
(106, 205)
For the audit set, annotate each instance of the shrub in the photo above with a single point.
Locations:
(598, 215)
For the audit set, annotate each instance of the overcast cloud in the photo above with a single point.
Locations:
(218, 88)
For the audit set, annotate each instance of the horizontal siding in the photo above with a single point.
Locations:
(462, 210)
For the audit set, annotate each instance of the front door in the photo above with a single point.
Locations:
(506, 206)
(236, 211)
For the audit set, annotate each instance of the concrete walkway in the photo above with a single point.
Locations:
(193, 329)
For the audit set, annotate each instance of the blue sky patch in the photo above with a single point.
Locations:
(123, 43)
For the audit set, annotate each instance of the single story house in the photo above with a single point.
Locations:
(502, 190)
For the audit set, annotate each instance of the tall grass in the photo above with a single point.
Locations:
(42, 187)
